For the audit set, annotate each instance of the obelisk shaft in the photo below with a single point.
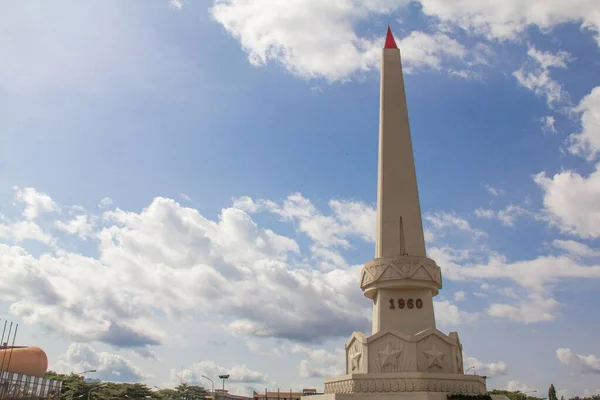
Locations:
(399, 224)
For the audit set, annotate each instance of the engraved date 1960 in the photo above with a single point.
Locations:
(409, 303)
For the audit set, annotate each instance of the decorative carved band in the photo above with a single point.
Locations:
(376, 385)
(405, 267)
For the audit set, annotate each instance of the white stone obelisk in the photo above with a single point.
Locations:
(399, 226)
(405, 357)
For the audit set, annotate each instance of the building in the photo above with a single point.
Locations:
(221, 394)
(22, 371)
(284, 394)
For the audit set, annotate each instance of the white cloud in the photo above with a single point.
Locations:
(538, 78)
(319, 362)
(318, 39)
(576, 249)
(106, 202)
(238, 373)
(36, 203)
(185, 196)
(587, 142)
(449, 220)
(548, 124)
(533, 310)
(589, 364)
(486, 369)
(176, 4)
(20, 231)
(533, 274)
(247, 274)
(348, 218)
(448, 314)
(108, 366)
(516, 386)
(493, 191)
(81, 225)
(506, 216)
(571, 200)
(460, 295)
(509, 19)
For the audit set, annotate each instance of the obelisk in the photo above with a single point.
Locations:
(406, 356)
(399, 225)
(400, 235)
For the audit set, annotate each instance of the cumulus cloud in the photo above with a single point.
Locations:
(587, 142)
(535, 309)
(516, 386)
(589, 364)
(319, 363)
(448, 314)
(80, 225)
(171, 259)
(108, 366)
(514, 16)
(18, 232)
(348, 218)
(486, 369)
(238, 373)
(319, 39)
(570, 200)
(36, 203)
(459, 296)
(105, 202)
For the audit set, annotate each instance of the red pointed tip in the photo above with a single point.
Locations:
(390, 43)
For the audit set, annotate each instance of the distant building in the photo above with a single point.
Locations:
(221, 394)
(22, 372)
(284, 395)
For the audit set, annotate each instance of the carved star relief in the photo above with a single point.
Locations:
(389, 356)
(434, 357)
(355, 358)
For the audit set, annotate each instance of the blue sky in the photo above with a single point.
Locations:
(191, 185)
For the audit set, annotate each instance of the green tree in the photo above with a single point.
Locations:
(136, 391)
(166, 394)
(552, 393)
(190, 392)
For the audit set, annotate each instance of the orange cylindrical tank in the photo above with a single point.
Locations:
(30, 361)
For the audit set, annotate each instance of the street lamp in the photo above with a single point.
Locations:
(86, 371)
(224, 376)
(469, 369)
(94, 388)
(212, 383)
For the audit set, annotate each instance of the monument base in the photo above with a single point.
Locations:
(406, 382)
(389, 396)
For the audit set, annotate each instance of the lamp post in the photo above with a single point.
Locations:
(224, 376)
(469, 369)
(94, 388)
(212, 384)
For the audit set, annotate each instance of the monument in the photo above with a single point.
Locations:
(405, 356)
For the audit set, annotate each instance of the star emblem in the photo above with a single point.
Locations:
(434, 357)
(389, 356)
